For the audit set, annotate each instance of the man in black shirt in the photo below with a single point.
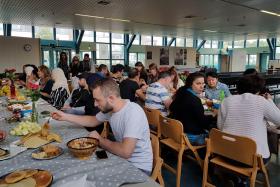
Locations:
(129, 88)
(85, 65)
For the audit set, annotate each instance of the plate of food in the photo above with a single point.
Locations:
(4, 152)
(27, 178)
(47, 152)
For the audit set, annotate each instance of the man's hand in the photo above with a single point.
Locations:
(95, 134)
(58, 115)
(2, 134)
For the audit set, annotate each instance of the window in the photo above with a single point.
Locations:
(64, 34)
(211, 61)
(157, 40)
(1, 29)
(114, 62)
(136, 40)
(214, 44)
(207, 44)
(189, 42)
(239, 44)
(102, 51)
(102, 37)
(180, 42)
(44, 33)
(251, 61)
(227, 44)
(251, 43)
(106, 62)
(278, 42)
(117, 52)
(88, 36)
(263, 43)
(277, 55)
(22, 31)
(132, 59)
(146, 40)
(117, 38)
(169, 39)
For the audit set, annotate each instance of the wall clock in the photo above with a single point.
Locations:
(27, 47)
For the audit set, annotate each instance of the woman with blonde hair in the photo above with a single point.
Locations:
(46, 82)
(60, 90)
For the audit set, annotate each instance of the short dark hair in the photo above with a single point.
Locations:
(164, 74)
(212, 74)
(117, 68)
(139, 64)
(107, 86)
(101, 67)
(250, 71)
(133, 72)
(86, 55)
(250, 84)
(192, 77)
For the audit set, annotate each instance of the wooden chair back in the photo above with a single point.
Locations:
(155, 147)
(238, 148)
(171, 128)
(153, 118)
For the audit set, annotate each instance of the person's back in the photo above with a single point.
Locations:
(128, 89)
(246, 114)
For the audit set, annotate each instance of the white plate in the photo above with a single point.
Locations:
(14, 150)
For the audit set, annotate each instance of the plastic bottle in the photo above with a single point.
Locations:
(222, 95)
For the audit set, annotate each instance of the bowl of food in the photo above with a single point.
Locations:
(82, 147)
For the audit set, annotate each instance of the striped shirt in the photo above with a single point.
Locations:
(156, 94)
(246, 115)
(58, 97)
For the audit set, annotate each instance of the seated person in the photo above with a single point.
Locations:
(102, 70)
(246, 114)
(117, 73)
(130, 89)
(157, 96)
(188, 109)
(26, 71)
(214, 88)
(60, 90)
(76, 102)
(33, 80)
(46, 82)
(128, 122)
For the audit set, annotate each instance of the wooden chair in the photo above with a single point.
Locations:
(173, 136)
(157, 161)
(222, 146)
(153, 119)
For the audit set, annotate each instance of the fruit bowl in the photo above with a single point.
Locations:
(82, 147)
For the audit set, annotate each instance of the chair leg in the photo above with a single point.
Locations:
(205, 171)
(160, 180)
(199, 160)
(253, 179)
(179, 168)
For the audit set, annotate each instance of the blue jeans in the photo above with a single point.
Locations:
(197, 139)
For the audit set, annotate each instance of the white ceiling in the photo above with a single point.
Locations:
(157, 17)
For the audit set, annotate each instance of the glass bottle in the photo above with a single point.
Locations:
(222, 95)
(12, 90)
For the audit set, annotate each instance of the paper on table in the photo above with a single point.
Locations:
(82, 182)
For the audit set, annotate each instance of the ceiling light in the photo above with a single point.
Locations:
(103, 2)
(209, 31)
(268, 12)
(99, 17)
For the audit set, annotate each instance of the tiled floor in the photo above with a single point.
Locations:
(192, 173)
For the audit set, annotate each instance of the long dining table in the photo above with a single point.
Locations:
(66, 169)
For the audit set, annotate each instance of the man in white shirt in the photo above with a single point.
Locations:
(128, 122)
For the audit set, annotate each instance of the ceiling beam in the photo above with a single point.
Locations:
(171, 41)
(79, 41)
(200, 45)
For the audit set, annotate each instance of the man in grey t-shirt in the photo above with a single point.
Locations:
(128, 122)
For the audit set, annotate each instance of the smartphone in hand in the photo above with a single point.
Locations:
(101, 154)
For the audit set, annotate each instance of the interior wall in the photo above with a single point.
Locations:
(190, 60)
(238, 60)
(13, 54)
